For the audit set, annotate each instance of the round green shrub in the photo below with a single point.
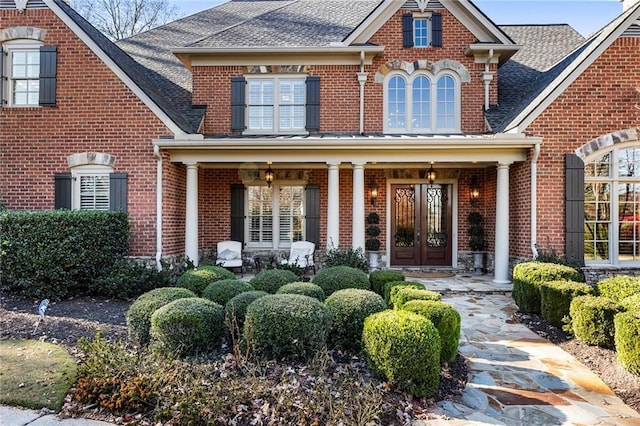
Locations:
(529, 275)
(283, 325)
(402, 294)
(592, 320)
(198, 279)
(556, 297)
(186, 326)
(446, 320)
(271, 280)
(340, 277)
(139, 314)
(306, 289)
(631, 303)
(236, 308)
(618, 288)
(627, 340)
(224, 290)
(378, 278)
(390, 286)
(405, 347)
(349, 308)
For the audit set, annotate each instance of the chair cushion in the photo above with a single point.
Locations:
(299, 254)
(228, 255)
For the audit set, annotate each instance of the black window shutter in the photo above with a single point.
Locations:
(48, 65)
(237, 212)
(118, 192)
(238, 88)
(436, 30)
(312, 205)
(574, 208)
(407, 30)
(313, 104)
(62, 191)
(1, 77)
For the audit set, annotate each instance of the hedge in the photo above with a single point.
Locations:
(306, 289)
(271, 280)
(350, 307)
(58, 254)
(405, 348)
(618, 288)
(337, 278)
(402, 294)
(390, 287)
(627, 340)
(236, 308)
(528, 276)
(631, 303)
(198, 279)
(556, 297)
(224, 290)
(378, 278)
(592, 320)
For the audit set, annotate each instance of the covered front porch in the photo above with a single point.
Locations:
(321, 189)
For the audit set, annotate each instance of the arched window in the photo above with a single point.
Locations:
(422, 103)
(612, 207)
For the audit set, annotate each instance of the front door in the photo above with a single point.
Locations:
(421, 225)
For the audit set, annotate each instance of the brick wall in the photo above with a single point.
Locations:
(95, 112)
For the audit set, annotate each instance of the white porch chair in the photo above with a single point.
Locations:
(301, 256)
(229, 255)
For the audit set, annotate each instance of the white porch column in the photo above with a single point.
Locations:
(191, 215)
(357, 226)
(501, 273)
(333, 206)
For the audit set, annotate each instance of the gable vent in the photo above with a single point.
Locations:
(31, 4)
(413, 4)
(632, 31)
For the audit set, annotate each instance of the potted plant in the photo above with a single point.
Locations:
(477, 243)
(373, 243)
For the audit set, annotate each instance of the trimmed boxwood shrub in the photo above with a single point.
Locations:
(58, 254)
(402, 294)
(139, 314)
(592, 320)
(556, 296)
(349, 308)
(627, 339)
(528, 276)
(306, 289)
(405, 348)
(340, 277)
(126, 280)
(187, 326)
(224, 290)
(270, 280)
(618, 288)
(378, 278)
(631, 303)
(287, 325)
(390, 286)
(198, 279)
(446, 320)
(236, 308)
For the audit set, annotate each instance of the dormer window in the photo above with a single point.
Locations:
(422, 30)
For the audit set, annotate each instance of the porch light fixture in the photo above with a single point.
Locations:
(432, 175)
(474, 192)
(269, 175)
(373, 187)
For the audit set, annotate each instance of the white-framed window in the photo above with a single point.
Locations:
(276, 104)
(21, 67)
(275, 216)
(612, 207)
(421, 31)
(422, 103)
(90, 188)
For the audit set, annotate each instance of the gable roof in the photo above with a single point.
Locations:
(129, 71)
(552, 83)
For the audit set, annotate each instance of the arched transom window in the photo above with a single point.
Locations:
(612, 207)
(422, 103)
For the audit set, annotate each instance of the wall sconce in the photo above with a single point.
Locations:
(269, 175)
(474, 192)
(432, 175)
(374, 192)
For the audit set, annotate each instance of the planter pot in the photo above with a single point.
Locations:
(374, 260)
(478, 262)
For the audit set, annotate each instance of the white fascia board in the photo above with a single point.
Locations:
(373, 22)
(119, 72)
(476, 22)
(603, 41)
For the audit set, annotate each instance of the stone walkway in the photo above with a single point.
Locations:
(516, 377)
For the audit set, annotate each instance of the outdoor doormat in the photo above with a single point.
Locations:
(428, 274)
